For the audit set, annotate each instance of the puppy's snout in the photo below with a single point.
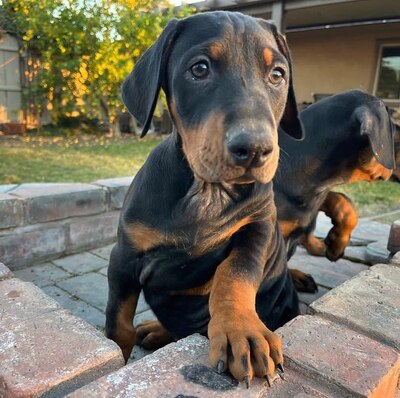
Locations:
(247, 151)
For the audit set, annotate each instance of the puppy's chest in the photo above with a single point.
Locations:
(199, 223)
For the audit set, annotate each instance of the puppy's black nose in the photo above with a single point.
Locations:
(247, 152)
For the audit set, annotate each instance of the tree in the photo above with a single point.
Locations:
(79, 51)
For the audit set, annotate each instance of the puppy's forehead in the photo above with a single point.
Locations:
(217, 31)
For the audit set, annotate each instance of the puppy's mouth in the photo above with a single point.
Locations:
(231, 174)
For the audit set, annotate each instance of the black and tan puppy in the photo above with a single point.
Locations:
(198, 231)
(349, 138)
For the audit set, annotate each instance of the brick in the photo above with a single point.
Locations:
(81, 263)
(44, 349)
(300, 386)
(92, 288)
(27, 244)
(394, 237)
(366, 303)
(339, 356)
(178, 370)
(377, 252)
(53, 354)
(42, 275)
(93, 231)
(5, 272)
(10, 210)
(23, 300)
(59, 201)
(118, 187)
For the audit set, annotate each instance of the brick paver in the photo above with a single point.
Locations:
(44, 348)
(369, 303)
(337, 355)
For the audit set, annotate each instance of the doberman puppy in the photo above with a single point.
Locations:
(349, 137)
(198, 231)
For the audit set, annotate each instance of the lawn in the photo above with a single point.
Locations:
(88, 158)
(70, 159)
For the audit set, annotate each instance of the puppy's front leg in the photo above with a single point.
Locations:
(344, 217)
(239, 340)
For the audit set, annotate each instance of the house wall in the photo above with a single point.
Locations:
(333, 60)
(10, 80)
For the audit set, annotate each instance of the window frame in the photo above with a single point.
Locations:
(377, 70)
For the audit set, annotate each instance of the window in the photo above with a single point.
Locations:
(387, 84)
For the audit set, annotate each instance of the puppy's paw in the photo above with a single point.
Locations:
(336, 244)
(243, 344)
(151, 335)
(303, 282)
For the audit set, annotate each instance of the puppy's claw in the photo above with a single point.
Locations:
(281, 376)
(268, 380)
(280, 367)
(247, 381)
(220, 366)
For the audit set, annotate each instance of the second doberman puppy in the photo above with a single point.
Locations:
(349, 138)
(198, 231)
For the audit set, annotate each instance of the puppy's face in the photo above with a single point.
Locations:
(227, 86)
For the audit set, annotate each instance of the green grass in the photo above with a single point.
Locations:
(87, 158)
(373, 198)
(63, 159)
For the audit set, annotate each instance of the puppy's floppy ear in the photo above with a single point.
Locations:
(290, 121)
(141, 88)
(376, 124)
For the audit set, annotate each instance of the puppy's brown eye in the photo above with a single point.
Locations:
(200, 70)
(276, 76)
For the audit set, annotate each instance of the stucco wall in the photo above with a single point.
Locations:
(333, 60)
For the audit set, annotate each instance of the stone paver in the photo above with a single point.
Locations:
(92, 231)
(92, 288)
(81, 263)
(42, 275)
(369, 303)
(103, 271)
(377, 252)
(10, 210)
(118, 188)
(79, 308)
(334, 354)
(34, 334)
(59, 201)
(103, 252)
(181, 371)
(39, 243)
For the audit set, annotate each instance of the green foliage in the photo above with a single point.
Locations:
(79, 51)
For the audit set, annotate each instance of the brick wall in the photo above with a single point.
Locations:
(44, 221)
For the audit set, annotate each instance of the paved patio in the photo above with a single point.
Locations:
(79, 282)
